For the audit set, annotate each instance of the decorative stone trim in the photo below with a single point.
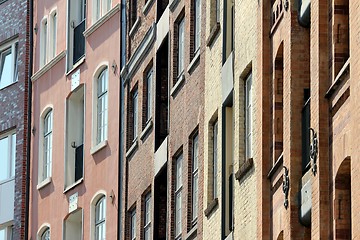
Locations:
(101, 20)
(213, 33)
(49, 65)
(244, 168)
(211, 207)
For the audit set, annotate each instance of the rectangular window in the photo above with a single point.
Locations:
(48, 126)
(147, 217)
(133, 13)
(135, 113)
(178, 197)
(195, 178)
(7, 233)
(197, 25)
(217, 8)
(43, 43)
(102, 106)
(215, 157)
(8, 64)
(8, 153)
(100, 8)
(54, 35)
(133, 224)
(248, 116)
(148, 96)
(181, 47)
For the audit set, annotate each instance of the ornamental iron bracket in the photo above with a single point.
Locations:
(313, 151)
(286, 5)
(286, 186)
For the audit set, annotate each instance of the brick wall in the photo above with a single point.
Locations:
(14, 20)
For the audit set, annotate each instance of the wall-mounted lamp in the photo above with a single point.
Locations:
(33, 130)
(36, 28)
(114, 67)
(112, 196)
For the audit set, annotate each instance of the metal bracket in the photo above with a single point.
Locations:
(286, 186)
(286, 5)
(313, 151)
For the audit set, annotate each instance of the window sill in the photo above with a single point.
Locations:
(73, 185)
(339, 78)
(180, 82)
(135, 27)
(101, 20)
(47, 66)
(98, 147)
(1, 88)
(192, 233)
(76, 65)
(173, 5)
(7, 180)
(147, 129)
(132, 149)
(276, 166)
(244, 168)
(213, 33)
(211, 207)
(44, 183)
(194, 62)
(147, 7)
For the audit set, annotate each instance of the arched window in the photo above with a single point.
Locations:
(102, 106)
(46, 234)
(100, 216)
(48, 126)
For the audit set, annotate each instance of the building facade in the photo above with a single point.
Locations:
(14, 95)
(75, 120)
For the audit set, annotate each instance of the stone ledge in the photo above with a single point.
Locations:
(213, 33)
(211, 207)
(244, 168)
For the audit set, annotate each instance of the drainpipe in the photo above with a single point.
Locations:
(28, 134)
(121, 114)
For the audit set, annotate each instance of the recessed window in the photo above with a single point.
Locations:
(147, 217)
(133, 13)
(147, 97)
(214, 159)
(135, 113)
(43, 42)
(100, 216)
(53, 37)
(133, 224)
(194, 179)
(8, 153)
(102, 106)
(46, 234)
(196, 18)
(181, 46)
(8, 64)
(100, 8)
(178, 196)
(73, 226)
(47, 157)
(7, 232)
(248, 116)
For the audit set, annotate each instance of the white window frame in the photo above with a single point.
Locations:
(101, 194)
(44, 42)
(181, 46)
(12, 48)
(53, 33)
(215, 132)
(197, 25)
(135, 112)
(248, 117)
(147, 216)
(100, 8)
(44, 227)
(100, 218)
(149, 81)
(45, 164)
(10, 158)
(133, 224)
(47, 136)
(195, 179)
(8, 232)
(46, 234)
(102, 105)
(178, 196)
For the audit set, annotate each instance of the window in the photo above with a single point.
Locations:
(8, 64)
(248, 116)
(100, 8)
(147, 217)
(194, 179)
(178, 188)
(53, 34)
(43, 42)
(100, 216)
(197, 25)
(6, 233)
(181, 47)
(135, 113)
(133, 224)
(47, 158)
(214, 158)
(133, 13)
(73, 226)
(8, 152)
(46, 234)
(148, 95)
(217, 9)
(102, 106)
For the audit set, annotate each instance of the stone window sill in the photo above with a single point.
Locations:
(147, 6)
(147, 129)
(48, 66)
(192, 233)
(78, 182)
(194, 62)
(135, 27)
(98, 147)
(132, 149)
(244, 168)
(76, 65)
(173, 5)
(211, 207)
(213, 33)
(180, 82)
(276, 166)
(339, 78)
(44, 183)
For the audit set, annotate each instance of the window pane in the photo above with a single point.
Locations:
(149, 95)
(13, 154)
(178, 174)
(133, 225)
(181, 47)
(135, 113)
(16, 71)
(215, 138)
(5, 68)
(178, 213)
(197, 25)
(4, 150)
(46, 235)
(54, 33)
